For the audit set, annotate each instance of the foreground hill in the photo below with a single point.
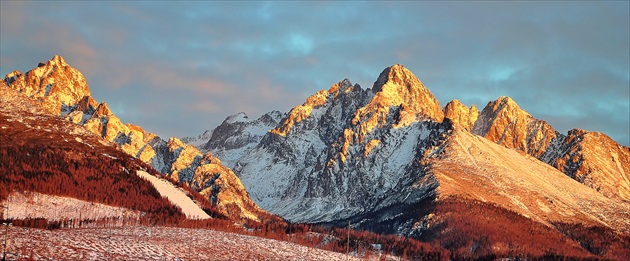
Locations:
(390, 159)
(63, 91)
(45, 154)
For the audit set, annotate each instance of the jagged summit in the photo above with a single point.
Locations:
(397, 90)
(396, 73)
(504, 122)
(56, 60)
(344, 86)
(54, 83)
(341, 91)
(397, 86)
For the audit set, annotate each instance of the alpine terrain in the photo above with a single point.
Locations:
(410, 178)
(390, 159)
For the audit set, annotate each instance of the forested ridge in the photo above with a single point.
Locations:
(54, 163)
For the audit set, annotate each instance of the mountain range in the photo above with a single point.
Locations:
(388, 159)
(376, 156)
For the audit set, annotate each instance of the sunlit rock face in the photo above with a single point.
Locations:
(345, 151)
(505, 123)
(63, 91)
(594, 159)
(54, 83)
(591, 158)
(368, 155)
(460, 115)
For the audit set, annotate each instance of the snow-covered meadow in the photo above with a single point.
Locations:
(25, 205)
(152, 243)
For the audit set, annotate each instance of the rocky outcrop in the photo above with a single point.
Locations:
(206, 174)
(461, 115)
(505, 123)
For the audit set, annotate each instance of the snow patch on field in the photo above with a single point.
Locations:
(175, 196)
(36, 205)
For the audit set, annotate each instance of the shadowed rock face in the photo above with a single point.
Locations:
(63, 91)
(238, 133)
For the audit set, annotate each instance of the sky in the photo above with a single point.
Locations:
(180, 68)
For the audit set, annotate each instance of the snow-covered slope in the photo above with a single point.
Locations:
(176, 196)
(156, 243)
(36, 205)
(476, 168)
(238, 134)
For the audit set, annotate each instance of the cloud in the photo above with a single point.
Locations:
(198, 62)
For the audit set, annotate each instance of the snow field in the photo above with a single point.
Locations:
(175, 196)
(153, 243)
(36, 205)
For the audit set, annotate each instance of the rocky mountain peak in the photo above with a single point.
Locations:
(11, 77)
(504, 103)
(505, 123)
(397, 74)
(57, 60)
(343, 86)
(55, 84)
(102, 111)
(397, 86)
(317, 100)
(461, 115)
(400, 92)
(239, 117)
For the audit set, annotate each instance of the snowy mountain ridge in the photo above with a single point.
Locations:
(369, 155)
